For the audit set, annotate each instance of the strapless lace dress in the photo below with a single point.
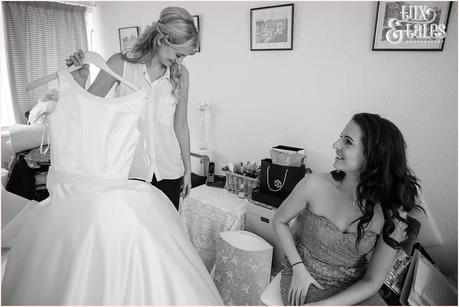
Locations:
(329, 255)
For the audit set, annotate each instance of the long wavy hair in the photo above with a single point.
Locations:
(386, 178)
(174, 28)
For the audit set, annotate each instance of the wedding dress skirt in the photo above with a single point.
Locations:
(100, 239)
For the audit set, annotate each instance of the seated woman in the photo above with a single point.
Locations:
(354, 218)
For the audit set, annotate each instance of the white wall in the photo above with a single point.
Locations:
(305, 97)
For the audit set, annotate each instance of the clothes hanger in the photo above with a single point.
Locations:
(90, 57)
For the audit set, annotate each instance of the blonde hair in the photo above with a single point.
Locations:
(174, 28)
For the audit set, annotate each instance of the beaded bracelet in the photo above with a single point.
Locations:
(296, 263)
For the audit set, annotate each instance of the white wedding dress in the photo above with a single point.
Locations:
(100, 239)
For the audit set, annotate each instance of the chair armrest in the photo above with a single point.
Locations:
(204, 161)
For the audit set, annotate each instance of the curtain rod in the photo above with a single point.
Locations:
(88, 4)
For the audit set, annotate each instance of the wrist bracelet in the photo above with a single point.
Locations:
(296, 263)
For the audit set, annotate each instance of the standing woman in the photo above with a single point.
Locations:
(154, 62)
(354, 218)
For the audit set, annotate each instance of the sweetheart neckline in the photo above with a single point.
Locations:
(337, 228)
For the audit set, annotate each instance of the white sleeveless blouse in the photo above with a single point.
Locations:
(159, 152)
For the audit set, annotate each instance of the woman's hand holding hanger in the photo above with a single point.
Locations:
(107, 76)
(80, 75)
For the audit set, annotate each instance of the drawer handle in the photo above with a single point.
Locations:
(263, 219)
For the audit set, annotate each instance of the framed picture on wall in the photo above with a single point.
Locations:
(196, 23)
(411, 25)
(127, 36)
(271, 27)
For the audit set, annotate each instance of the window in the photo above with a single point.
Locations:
(38, 36)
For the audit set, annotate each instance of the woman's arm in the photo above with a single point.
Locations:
(380, 264)
(182, 130)
(104, 81)
(290, 208)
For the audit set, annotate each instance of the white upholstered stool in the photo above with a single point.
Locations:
(271, 296)
(242, 267)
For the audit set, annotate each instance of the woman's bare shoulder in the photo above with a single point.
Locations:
(324, 178)
(317, 180)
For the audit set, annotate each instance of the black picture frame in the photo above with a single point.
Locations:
(272, 33)
(196, 23)
(387, 10)
(127, 35)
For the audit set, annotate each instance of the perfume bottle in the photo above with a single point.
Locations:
(241, 193)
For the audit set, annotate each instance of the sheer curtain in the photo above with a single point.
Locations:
(39, 36)
(7, 114)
